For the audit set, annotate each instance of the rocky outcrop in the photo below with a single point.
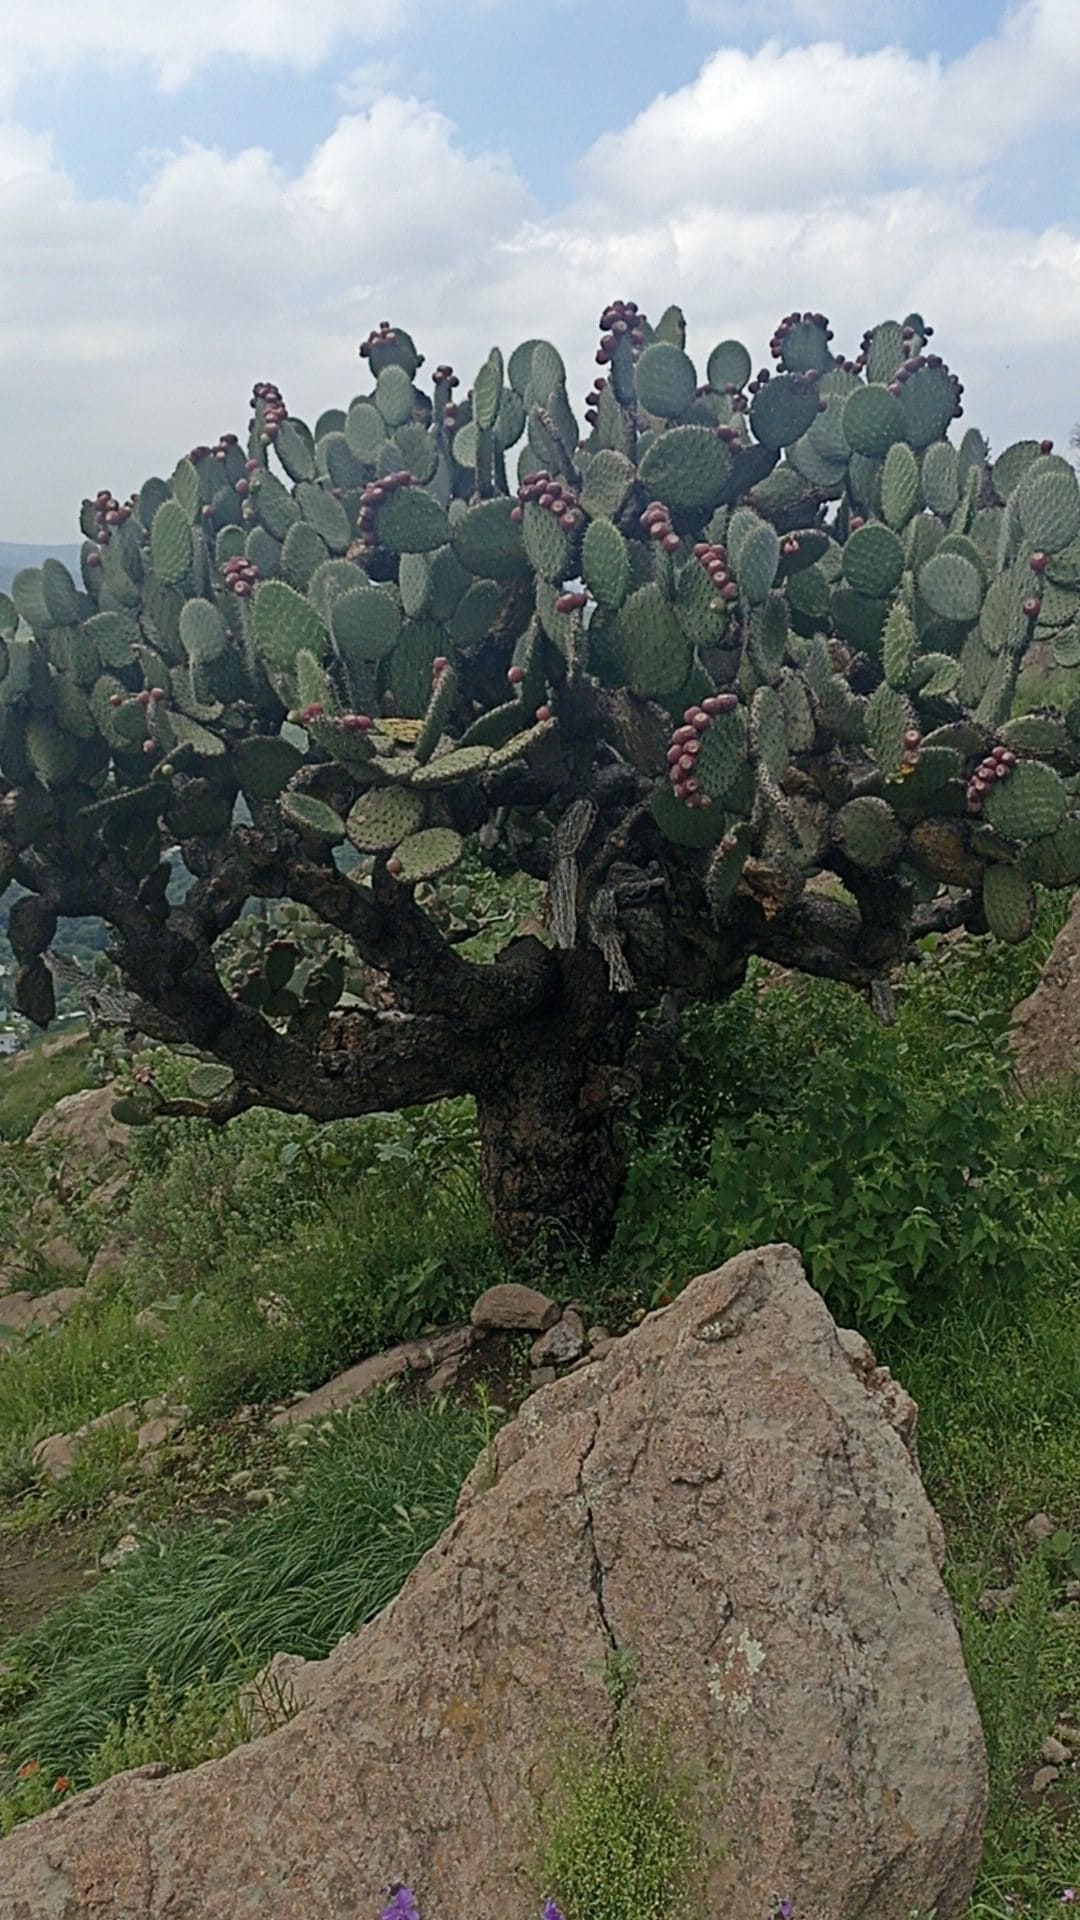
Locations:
(730, 1494)
(1045, 1035)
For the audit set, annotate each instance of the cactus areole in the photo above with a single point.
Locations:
(676, 658)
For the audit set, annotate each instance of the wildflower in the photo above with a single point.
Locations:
(784, 1909)
(1068, 1896)
(28, 1769)
(551, 1911)
(61, 1785)
(401, 1905)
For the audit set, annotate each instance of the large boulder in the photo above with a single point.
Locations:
(730, 1494)
(1045, 1036)
(82, 1126)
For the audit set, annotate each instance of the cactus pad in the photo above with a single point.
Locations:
(425, 855)
(1009, 903)
(873, 560)
(383, 816)
(869, 831)
(1033, 801)
(313, 818)
(952, 588)
(686, 467)
(666, 380)
(783, 410)
(1048, 503)
(873, 421)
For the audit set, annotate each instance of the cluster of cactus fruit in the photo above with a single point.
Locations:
(374, 634)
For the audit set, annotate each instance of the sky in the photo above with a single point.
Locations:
(196, 196)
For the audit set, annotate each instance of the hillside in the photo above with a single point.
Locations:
(14, 556)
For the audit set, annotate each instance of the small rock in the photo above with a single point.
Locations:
(55, 1456)
(275, 1310)
(60, 1256)
(1069, 1735)
(125, 1546)
(26, 1312)
(346, 1389)
(561, 1344)
(541, 1377)
(996, 1599)
(511, 1308)
(125, 1416)
(1055, 1753)
(1039, 1528)
(154, 1433)
(149, 1320)
(260, 1496)
(109, 1261)
(598, 1337)
(1045, 1778)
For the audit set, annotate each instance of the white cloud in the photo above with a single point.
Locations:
(813, 176)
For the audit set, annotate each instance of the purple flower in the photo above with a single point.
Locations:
(400, 1906)
(784, 1909)
(551, 1911)
(1068, 1896)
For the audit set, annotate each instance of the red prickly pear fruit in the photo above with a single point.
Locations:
(857, 521)
(252, 466)
(394, 866)
(142, 699)
(543, 713)
(1037, 562)
(1046, 446)
(241, 487)
(93, 559)
(116, 699)
(727, 702)
(440, 663)
(671, 542)
(149, 746)
(517, 515)
(1032, 608)
(208, 512)
(729, 591)
(515, 675)
(157, 693)
(674, 755)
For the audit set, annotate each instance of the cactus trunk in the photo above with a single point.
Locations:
(552, 1161)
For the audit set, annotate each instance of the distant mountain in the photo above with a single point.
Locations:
(13, 558)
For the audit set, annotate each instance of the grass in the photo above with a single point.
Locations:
(211, 1603)
(934, 1211)
(31, 1082)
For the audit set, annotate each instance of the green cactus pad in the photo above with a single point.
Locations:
(302, 552)
(264, 765)
(887, 349)
(651, 644)
(170, 543)
(274, 504)
(798, 716)
(115, 636)
(805, 348)
(330, 581)
(606, 482)
(395, 397)
(1009, 903)
(425, 855)
(59, 593)
(132, 1111)
(928, 403)
(488, 542)
(1010, 467)
(873, 421)
(412, 521)
(724, 871)
(723, 754)
(1036, 733)
(952, 588)
(383, 816)
(476, 613)
(548, 547)
(729, 365)
(873, 560)
(313, 818)
(295, 448)
(1033, 801)
(203, 634)
(869, 832)
(284, 622)
(1054, 861)
(325, 515)
(209, 1080)
(756, 563)
(888, 716)
(365, 432)
(934, 675)
(686, 826)
(899, 643)
(782, 411)
(768, 731)
(605, 564)
(1067, 646)
(451, 769)
(687, 467)
(808, 596)
(53, 755)
(941, 478)
(365, 623)
(666, 380)
(1048, 502)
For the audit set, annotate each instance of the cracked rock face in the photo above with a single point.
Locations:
(730, 1493)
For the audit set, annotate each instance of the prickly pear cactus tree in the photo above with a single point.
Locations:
(677, 659)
